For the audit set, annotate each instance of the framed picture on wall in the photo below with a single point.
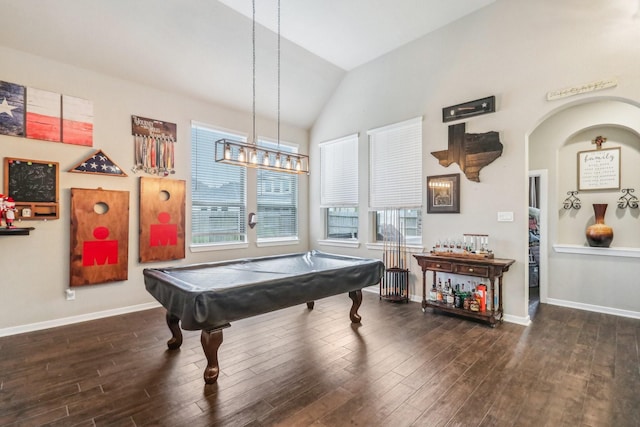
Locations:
(443, 193)
(599, 169)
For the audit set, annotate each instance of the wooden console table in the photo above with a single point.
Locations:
(489, 268)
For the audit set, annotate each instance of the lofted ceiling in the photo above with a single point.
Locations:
(202, 48)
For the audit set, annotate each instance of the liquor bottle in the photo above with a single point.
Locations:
(482, 297)
(450, 294)
(439, 291)
(474, 305)
(489, 298)
(433, 293)
(457, 297)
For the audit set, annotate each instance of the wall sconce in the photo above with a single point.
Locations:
(628, 200)
(572, 202)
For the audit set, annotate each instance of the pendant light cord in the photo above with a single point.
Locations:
(253, 41)
(278, 75)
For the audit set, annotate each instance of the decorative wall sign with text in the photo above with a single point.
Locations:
(154, 151)
(599, 169)
(584, 88)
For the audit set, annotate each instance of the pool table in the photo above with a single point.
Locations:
(210, 296)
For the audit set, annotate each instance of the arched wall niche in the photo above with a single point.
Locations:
(577, 279)
(554, 145)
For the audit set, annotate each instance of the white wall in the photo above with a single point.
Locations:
(517, 50)
(35, 268)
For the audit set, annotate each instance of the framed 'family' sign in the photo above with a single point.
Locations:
(599, 169)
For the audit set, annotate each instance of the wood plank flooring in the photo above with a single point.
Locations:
(296, 367)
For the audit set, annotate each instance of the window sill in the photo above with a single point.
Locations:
(218, 247)
(413, 249)
(346, 243)
(588, 250)
(264, 243)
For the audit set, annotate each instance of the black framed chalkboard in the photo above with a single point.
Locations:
(33, 185)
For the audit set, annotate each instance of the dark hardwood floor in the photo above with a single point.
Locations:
(296, 367)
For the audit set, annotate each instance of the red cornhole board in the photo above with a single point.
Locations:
(99, 236)
(162, 207)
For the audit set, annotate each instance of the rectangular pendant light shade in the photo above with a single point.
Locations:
(252, 156)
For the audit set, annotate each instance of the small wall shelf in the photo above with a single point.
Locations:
(18, 231)
(588, 250)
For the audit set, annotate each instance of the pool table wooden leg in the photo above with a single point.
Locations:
(176, 340)
(356, 297)
(211, 341)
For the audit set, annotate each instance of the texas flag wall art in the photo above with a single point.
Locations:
(77, 121)
(11, 109)
(44, 115)
(41, 114)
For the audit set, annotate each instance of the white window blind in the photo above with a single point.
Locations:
(218, 191)
(395, 165)
(339, 172)
(277, 199)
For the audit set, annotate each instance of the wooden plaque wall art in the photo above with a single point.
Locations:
(471, 151)
(162, 223)
(99, 236)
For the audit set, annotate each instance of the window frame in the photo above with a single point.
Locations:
(242, 205)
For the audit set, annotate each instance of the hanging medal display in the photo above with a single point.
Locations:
(154, 151)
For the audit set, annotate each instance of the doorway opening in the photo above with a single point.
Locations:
(537, 239)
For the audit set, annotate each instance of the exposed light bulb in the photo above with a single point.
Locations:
(298, 165)
(265, 159)
(254, 157)
(227, 152)
(241, 156)
(288, 163)
(277, 161)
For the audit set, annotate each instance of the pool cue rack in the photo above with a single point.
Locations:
(394, 285)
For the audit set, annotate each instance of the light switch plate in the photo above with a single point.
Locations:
(505, 216)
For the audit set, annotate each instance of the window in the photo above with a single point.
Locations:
(218, 191)
(342, 223)
(407, 221)
(395, 178)
(339, 186)
(277, 199)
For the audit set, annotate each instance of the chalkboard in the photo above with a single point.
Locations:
(31, 180)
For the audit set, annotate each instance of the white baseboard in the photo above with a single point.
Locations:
(595, 308)
(518, 320)
(76, 319)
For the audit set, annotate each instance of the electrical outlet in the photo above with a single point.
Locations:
(71, 294)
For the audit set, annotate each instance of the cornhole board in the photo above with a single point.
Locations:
(99, 236)
(162, 223)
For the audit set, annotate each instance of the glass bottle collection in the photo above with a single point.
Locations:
(469, 243)
(472, 296)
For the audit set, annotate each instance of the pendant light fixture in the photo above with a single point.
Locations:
(249, 154)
